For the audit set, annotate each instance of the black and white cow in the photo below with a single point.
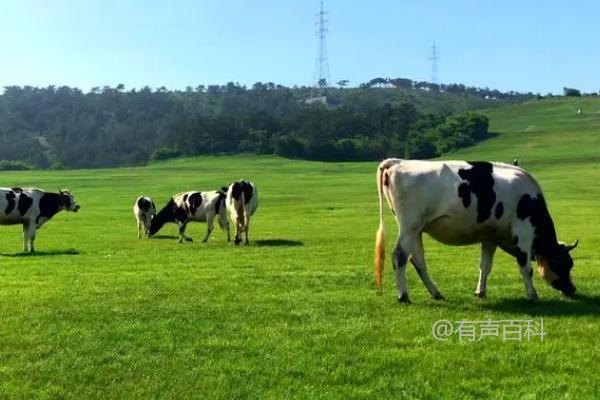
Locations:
(144, 210)
(242, 201)
(32, 208)
(193, 206)
(460, 203)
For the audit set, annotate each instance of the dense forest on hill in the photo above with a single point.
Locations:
(63, 127)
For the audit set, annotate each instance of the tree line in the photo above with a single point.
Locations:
(63, 127)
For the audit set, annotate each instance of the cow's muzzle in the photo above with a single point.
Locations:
(565, 286)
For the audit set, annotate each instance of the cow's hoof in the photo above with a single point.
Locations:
(437, 296)
(189, 240)
(480, 295)
(404, 299)
(534, 299)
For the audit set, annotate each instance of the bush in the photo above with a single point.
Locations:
(288, 146)
(421, 146)
(165, 153)
(14, 165)
(57, 166)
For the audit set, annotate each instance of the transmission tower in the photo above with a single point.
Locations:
(434, 56)
(321, 76)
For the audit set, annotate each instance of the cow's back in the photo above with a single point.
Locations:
(18, 205)
(457, 202)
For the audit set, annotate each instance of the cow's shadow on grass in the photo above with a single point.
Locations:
(578, 305)
(160, 237)
(277, 243)
(67, 252)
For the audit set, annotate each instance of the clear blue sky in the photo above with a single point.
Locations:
(510, 45)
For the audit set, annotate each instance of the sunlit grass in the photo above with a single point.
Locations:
(97, 313)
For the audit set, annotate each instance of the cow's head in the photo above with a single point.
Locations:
(68, 200)
(556, 268)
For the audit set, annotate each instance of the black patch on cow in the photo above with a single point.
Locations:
(17, 190)
(525, 207)
(66, 200)
(479, 180)
(220, 202)
(50, 204)
(180, 214)
(386, 179)
(194, 201)
(499, 210)
(516, 240)
(242, 186)
(236, 190)
(25, 203)
(465, 194)
(10, 199)
(144, 204)
(400, 258)
(545, 241)
(167, 214)
(521, 257)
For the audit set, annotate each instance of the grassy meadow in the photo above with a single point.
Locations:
(97, 313)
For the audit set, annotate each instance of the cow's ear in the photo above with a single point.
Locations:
(224, 188)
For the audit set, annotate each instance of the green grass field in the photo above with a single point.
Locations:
(97, 313)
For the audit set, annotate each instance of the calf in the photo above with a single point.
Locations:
(193, 206)
(144, 210)
(242, 200)
(32, 208)
(460, 203)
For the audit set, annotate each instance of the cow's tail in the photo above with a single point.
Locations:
(380, 238)
(244, 211)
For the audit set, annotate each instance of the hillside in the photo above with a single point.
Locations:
(548, 132)
(56, 128)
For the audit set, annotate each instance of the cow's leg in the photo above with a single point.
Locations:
(524, 261)
(209, 226)
(417, 258)
(28, 237)
(523, 237)
(139, 228)
(182, 236)
(485, 266)
(147, 223)
(246, 229)
(238, 231)
(225, 222)
(399, 259)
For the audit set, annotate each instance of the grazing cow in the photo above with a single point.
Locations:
(460, 203)
(515, 162)
(193, 206)
(144, 210)
(32, 208)
(242, 200)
